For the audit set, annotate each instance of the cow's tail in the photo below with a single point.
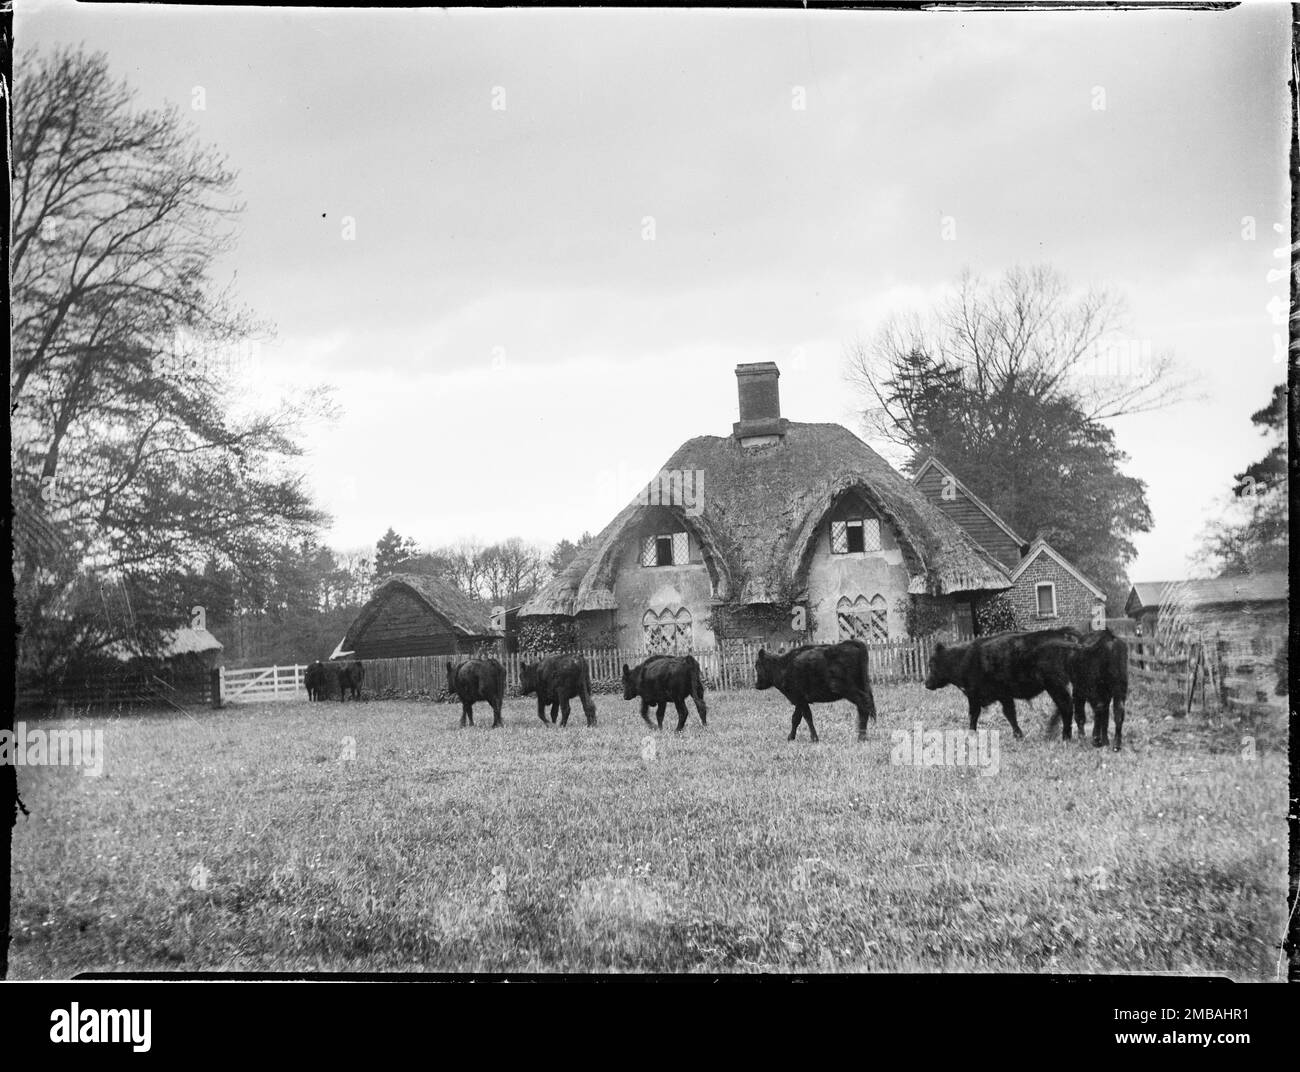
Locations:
(584, 682)
(864, 668)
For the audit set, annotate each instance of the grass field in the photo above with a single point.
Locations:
(246, 839)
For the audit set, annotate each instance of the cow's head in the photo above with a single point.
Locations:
(763, 670)
(938, 674)
(630, 684)
(527, 678)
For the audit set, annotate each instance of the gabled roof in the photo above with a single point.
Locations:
(934, 463)
(463, 614)
(1250, 588)
(761, 507)
(1042, 547)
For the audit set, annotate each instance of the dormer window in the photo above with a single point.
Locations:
(667, 549)
(855, 535)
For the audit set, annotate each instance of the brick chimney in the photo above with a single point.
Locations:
(760, 405)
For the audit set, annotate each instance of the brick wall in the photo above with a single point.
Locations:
(1074, 602)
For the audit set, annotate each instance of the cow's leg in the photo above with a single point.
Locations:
(1081, 713)
(541, 709)
(702, 709)
(496, 713)
(588, 707)
(807, 717)
(555, 710)
(659, 713)
(865, 702)
(1060, 695)
(466, 713)
(564, 708)
(682, 714)
(795, 719)
(974, 714)
(1009, 709)
(645, 712)
(1100, 723)
(1119, 723)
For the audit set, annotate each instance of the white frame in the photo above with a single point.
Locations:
(1038, 605)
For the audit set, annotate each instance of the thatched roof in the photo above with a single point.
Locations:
(462, 613)
(184, 641)
(761, 509)
(1214, 591)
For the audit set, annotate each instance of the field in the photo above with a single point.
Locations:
(382, 837)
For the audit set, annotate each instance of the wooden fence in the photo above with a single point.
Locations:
(730, 666)
(1212, 671)
(263, 683)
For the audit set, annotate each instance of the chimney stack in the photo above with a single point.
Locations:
(760, 404)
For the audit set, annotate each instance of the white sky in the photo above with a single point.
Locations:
(513, 358)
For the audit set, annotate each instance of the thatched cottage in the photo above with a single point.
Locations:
(779, 532)
(412, 614)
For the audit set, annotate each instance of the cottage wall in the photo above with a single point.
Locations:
(657, 589)
(860, 574)
(1074, 601)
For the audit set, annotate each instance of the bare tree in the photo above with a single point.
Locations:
(124, 441)
(1025, 335)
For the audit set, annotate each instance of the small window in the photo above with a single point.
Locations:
(669, 549)
(1046, 594)
(855, 536)
(663, 550)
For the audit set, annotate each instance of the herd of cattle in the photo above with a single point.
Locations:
(1075, 669)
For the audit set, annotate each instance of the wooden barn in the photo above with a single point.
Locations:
(1244, 607)
(1240, 623)
(413, 614)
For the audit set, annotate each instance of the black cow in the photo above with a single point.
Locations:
(475, 680)
(555, 680)
(664, 679)
(1007, 667)
(315, 679)
(350, 677)
(1099, 676)
(820, 673)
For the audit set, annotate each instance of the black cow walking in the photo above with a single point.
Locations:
(475, 680)
(665, 679)
(555, 680)
(820, 673)
(1007, 667)
(1099, 677)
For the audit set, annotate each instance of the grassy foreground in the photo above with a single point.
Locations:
(247, 839)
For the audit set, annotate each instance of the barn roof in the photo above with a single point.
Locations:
(761, 506)
(184, 641)
(463, 614)
(1250, 588)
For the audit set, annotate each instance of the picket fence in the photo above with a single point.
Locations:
(722, 668)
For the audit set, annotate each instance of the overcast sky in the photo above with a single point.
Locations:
(513, 356)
